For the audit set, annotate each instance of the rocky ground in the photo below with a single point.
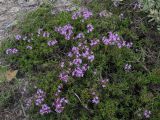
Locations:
(11, 10)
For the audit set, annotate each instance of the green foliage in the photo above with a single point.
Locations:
(8, 94)
(126, 95)
(153, 8)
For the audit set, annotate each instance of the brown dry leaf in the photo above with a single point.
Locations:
(10, 74)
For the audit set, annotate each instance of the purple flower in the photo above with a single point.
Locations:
(52, 42)
(45, 109)
(29, 47)
(64, 76)
(77, 61)
(94, 42)
(95, 100)
(85, 67)
(79, 36)
(75, 50)
(129, 45)
(66, 31)
(104, 82)
(59, 104)
(90, 28)
(39, 97)
(127, 67)
(78, 72)
(114, 39)
(70, 54)
(11, 51)
(59, 90)
(147, 113)
(91, 58)
(18, 37)
(46, 34)
(28, 102)
(76, 15)
(85, 14)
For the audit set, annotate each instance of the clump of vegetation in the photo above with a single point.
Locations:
(95, 63)
(153, 8)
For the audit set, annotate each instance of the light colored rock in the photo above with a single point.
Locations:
(10, 8)
(28, 3)
(14, 9)
(2, 9)
(3, 18)
(2, 1)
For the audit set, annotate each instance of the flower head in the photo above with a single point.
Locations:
(95, 100)
(39, 97)
(52, 42)
(147, 113)
(64, 76)
(18, 37)
(45, 109)
(59, 104)
(127, 67)
(90, 28)
(66, 31)
(11, 51)
(29, 47)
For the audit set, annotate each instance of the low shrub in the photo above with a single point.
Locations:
(86, 65)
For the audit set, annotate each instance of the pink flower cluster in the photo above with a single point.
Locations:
(94, 42)
(95, 99)
(104, 82)
(127, 67)
(66, 31)
(52, 42)
(90, 28)
(28, 102)
(40, 32)
(39, 97)
(80, 36)
(29, 47)
(77, 55)
(79, 71)
(18, 37)
(114, 39)
(11, 51)
(59, 90)
(64, 77)
(46, 34)
(59, 104)
(45, 109)
(147, 114)
(85, 14)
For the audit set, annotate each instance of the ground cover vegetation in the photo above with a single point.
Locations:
(99, 62)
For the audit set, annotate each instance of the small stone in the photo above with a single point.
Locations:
(14, 9)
